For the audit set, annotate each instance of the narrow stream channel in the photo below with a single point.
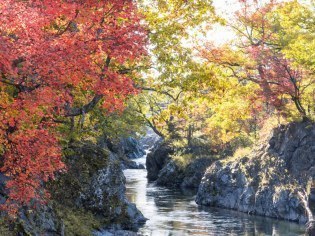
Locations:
(174, 212)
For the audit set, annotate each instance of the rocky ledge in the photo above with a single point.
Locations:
(169, 172)
(274, 180)
(89, 197)
(175, 174)
(157, 159)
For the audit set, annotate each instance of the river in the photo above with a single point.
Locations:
(174, 212)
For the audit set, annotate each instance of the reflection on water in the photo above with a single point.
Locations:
(174, 212)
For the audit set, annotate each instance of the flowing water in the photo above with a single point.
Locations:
(174, 212)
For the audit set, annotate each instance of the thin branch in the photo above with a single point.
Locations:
(76, 111)
(175, 98)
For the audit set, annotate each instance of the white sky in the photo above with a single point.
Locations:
(226, 8)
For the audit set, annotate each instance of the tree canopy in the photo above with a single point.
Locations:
(58, 59)
(72, 68)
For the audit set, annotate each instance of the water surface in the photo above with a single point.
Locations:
(174, 212)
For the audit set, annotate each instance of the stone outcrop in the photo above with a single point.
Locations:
(151, 140)
(170, 173)
(125, 149)
(41, 221)
(176, 175)
(194, 172)
(131, 148)
(115, 233)
(157, 159)
(99, 187)
(90, 195)
(129, 164)
(270, 180)
(104, 195)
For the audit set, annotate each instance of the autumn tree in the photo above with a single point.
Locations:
(170, 73)
(58, 59)
(261, 53)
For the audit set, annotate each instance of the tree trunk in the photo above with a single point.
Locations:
(189, 135)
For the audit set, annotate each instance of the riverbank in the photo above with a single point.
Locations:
(273, 179)
(174, 212)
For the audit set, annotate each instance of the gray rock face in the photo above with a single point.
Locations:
(94, 183)
(310, 230)
(267, 182)
(141, 166)
(129, 164)
(103, 193)
(115, 233)
(132, 148)
(151, 140)
(157, 159)
(173, 175)
(40, 222)
(194, 172)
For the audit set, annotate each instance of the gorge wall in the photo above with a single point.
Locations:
(273, 180)
(89, 197)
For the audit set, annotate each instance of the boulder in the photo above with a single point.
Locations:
(156, 160)
(189, 176)
(129, 164)
(171, 175)
(194, 172)
(131, 148)
(98, 186)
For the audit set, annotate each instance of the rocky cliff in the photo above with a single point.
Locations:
(131, 147)
(157, 159)
(175, 174)
(90, 196)
(125, 149)
(169, 172)
(274, 180)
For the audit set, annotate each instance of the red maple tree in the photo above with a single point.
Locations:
(51, 52)
(260, 39)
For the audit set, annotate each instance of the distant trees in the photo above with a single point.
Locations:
(64, 64)
(219, 94)
(265, 55)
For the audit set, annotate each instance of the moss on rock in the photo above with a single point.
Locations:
(77, 222)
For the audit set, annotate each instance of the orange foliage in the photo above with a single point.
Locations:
(48, 50)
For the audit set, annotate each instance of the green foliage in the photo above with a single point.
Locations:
(117, 125)
(84, 160)
(91, 126)
(5, 228)
(78, 222)
(295, 26)
(183, 160)
(168, 84)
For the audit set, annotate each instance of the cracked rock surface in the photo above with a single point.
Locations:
(270, 179)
